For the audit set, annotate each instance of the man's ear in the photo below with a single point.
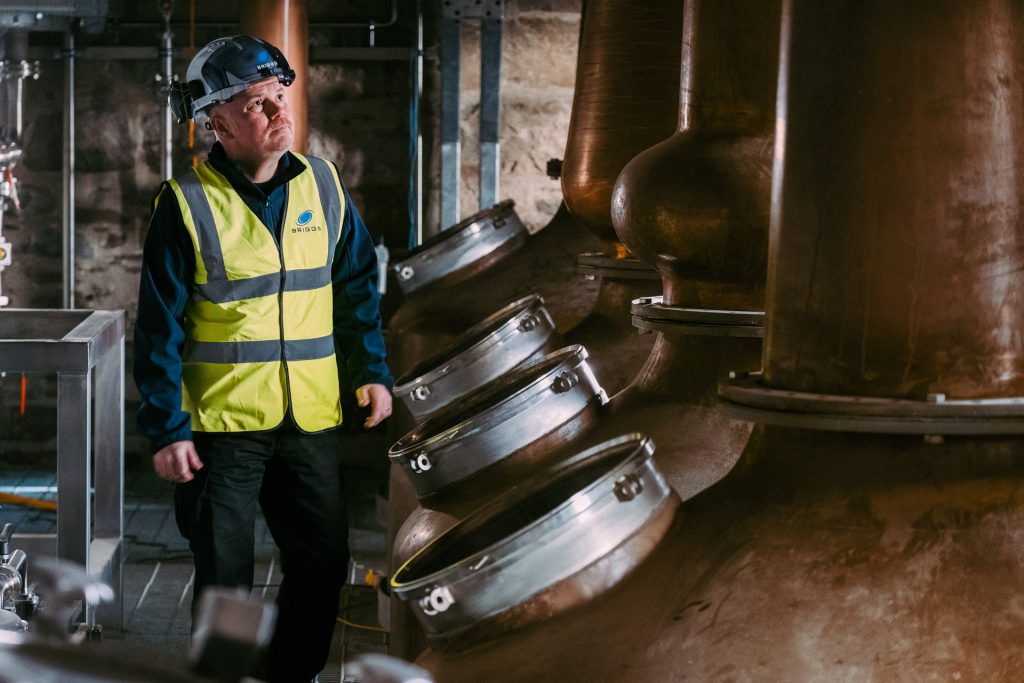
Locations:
(219, 126)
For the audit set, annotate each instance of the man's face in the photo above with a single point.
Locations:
(255, 124)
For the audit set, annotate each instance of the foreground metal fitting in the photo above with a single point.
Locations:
(497, 420)
(463, 249)
(489, 349)
(554, 533)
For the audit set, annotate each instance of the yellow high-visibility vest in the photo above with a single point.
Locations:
(259, 322)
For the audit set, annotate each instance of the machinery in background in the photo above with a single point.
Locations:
(16, 594)
(13, 72)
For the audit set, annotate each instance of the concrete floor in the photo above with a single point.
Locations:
(158, 570)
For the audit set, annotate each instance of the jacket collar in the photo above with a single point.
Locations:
(288, 168)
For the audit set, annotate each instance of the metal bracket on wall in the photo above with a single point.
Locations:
(490, 13)
(474, 9)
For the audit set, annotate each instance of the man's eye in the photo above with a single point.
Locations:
(255, 106)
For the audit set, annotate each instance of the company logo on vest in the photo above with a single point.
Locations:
(304, 218)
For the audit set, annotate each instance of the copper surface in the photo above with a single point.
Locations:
(673, 400)
(897, 241)
(626, 99)
(617, 349)
(696, 206)
(285, 24)
(819, 557)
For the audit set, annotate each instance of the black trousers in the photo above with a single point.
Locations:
(296, 480)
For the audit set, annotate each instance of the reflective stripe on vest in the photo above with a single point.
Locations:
(259, 321)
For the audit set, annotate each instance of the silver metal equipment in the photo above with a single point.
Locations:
(504, 340)
(86, 351)
(478, 241)
(498, 420)
(16, 594)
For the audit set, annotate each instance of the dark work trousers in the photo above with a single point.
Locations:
(296, 478)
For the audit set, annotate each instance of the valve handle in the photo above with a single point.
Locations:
(5, 539)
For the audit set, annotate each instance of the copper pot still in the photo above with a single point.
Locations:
(697, 206)
(626, 99)
(832, 555)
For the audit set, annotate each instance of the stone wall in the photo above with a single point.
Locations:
(358, 118)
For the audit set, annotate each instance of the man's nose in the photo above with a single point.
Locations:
(275, 108)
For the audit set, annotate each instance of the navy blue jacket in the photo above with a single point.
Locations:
(168, 267)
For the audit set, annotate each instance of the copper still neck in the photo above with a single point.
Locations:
(627, 93)
(285, 24)
(696, 206)
(896, 243)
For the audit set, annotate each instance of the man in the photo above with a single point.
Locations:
(257, 285)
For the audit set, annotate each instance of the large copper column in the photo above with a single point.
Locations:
(285, 24)
(894, 305)
(696, 206)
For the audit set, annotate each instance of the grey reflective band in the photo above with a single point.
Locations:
(206, 228)
(330, 201)
(259, 351)
(224, 291)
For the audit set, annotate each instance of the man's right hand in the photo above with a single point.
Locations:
(175, 462)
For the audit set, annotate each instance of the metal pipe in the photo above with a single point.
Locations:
(490, 112)
(364, 23)
(285, 23)
(451, 156)
(166, 57)
(419, 131)
(69, 169)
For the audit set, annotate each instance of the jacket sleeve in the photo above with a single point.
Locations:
(168, 265)
(357, 322)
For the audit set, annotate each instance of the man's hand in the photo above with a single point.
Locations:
(378, 398)
(175, 462)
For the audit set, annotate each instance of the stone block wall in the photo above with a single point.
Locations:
(358, 118)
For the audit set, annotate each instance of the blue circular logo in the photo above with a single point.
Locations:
(305, 217)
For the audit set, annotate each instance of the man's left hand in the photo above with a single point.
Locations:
(378, 398)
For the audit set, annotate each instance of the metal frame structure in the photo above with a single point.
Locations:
(84, 348)
(490, 14)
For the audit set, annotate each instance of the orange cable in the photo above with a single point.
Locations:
(30, 502)
(24, 389)
(363, 627)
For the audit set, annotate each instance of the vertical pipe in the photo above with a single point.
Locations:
(490, 111)
(167, 135)
(285, 23)
(69, 169)
(450, 147)
(419, 130)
